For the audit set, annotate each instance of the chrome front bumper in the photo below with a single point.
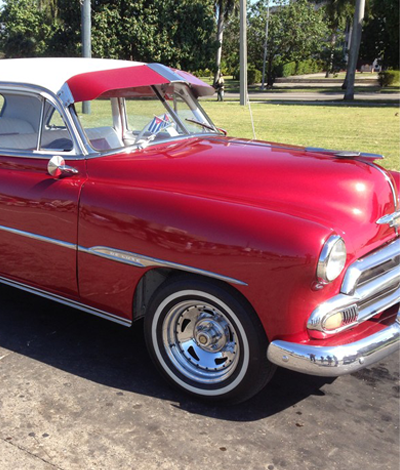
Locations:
(332, 361)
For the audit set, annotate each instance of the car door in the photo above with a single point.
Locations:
(38, 212)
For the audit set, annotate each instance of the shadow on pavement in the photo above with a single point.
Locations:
(115, 356)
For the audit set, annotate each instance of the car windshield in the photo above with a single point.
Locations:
(143, 115)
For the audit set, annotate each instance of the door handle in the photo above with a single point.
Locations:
(57, 167)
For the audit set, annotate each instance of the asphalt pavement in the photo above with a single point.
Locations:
(80, 393)
(309, 97)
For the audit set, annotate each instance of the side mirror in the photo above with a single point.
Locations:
(57, 168)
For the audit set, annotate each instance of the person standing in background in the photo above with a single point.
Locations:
(220, 88)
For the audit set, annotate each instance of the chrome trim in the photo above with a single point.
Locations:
(166, 73)
(392, 188)
(344, 153)
(57, 168)
(68, 302)
(324, 258)
(41, 238)
(332, 361)
(143, 261)
(40, 130)
(371, 297)
(25, 88)
(393, 220)
(127, 257)
(65, 95)
(354, 271)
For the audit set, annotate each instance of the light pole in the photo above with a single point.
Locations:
(243, 53)
(86, 40)
(265, 47)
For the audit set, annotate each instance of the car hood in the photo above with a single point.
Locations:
(347, 195)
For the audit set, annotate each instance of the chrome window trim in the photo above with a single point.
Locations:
(21, 88)
(143, 261)
(65, 301)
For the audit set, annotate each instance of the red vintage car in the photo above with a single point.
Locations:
(240, 255)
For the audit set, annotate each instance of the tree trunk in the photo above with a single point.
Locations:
(270, 75)
(220, 37)
(348, 84)
(329, 70)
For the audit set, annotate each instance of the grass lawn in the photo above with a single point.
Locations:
(366, 129)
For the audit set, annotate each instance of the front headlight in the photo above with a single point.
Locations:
(332, 259)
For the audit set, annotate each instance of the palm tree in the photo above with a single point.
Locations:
(223, 9)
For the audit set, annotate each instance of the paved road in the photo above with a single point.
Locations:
(79, 393)
(391, 98)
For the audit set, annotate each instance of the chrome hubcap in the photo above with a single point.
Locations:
(201, 341)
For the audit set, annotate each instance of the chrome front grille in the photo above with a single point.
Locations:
(374, 281)
(370, 286)
(350, 315)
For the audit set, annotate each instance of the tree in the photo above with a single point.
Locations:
(296, 32)
(25, 29)
(223, 9)
(179, 33)
(354, 50)
(381, 33)
(337, 13)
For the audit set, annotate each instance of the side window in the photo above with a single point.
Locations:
(19, 121)
(55, 135)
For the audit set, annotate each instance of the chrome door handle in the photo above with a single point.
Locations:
(57, 167)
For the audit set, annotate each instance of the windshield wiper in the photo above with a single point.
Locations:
(207, 126)
(203, 124)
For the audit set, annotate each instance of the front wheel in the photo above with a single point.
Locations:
(207, 341)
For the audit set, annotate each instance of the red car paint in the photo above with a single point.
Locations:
(256, 212)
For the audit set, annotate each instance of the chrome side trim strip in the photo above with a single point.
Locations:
(41, 238)
(142, 261)
(67, 302)
(332, 361)
(134, 259)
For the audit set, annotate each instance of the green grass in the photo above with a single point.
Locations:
(359, 128)
(365, 129)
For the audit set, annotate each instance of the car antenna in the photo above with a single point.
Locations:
(251, 116)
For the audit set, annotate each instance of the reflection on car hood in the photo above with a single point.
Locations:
(346, 195)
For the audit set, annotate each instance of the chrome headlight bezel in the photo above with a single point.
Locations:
(332, 259)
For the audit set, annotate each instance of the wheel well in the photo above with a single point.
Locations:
(153, 279)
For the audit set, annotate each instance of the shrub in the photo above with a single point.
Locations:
(299, 68)
(389, 77)
(253, 76)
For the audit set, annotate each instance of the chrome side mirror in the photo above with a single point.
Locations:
(57, 168)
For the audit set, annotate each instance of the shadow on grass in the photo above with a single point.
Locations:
(114, 356)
